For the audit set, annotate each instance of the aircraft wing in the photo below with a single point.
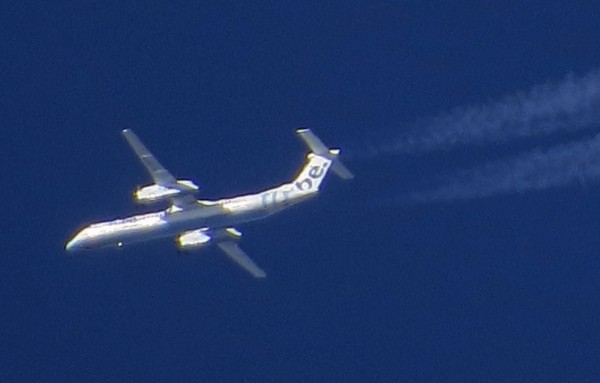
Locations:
(233, 251)
(159, 174)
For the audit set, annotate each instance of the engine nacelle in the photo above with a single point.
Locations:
(194, 238)
(156, 193)
(197, 238)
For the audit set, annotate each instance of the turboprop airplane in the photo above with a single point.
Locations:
(198, 223)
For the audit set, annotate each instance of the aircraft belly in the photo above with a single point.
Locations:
(233, 219)
(171, 225)
(188, 220)
(130, 235)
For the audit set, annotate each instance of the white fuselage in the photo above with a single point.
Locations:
(211, 214)
(195, 223)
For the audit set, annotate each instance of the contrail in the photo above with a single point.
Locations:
(539, 169)
(567, 105)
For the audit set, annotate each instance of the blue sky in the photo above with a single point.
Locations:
(362, 285)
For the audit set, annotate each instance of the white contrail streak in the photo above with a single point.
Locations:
(567, 105)
(539, 169)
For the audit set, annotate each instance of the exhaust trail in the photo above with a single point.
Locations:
(568, 105)
(535, 170)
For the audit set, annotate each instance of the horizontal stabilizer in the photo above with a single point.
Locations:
(317, 146)
(341, 171)
(313, 142)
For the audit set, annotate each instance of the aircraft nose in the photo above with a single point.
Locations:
(74, 244)
(79, 241)
(71, 245)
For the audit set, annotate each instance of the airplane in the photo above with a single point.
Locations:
(198, 223)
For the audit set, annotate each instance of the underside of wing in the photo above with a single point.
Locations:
(233, 251)
(159, 174)
(181, 198)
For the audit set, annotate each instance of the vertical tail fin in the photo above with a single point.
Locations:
(317, 147)
(312, 174)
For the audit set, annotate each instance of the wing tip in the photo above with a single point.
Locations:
(261, 275)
